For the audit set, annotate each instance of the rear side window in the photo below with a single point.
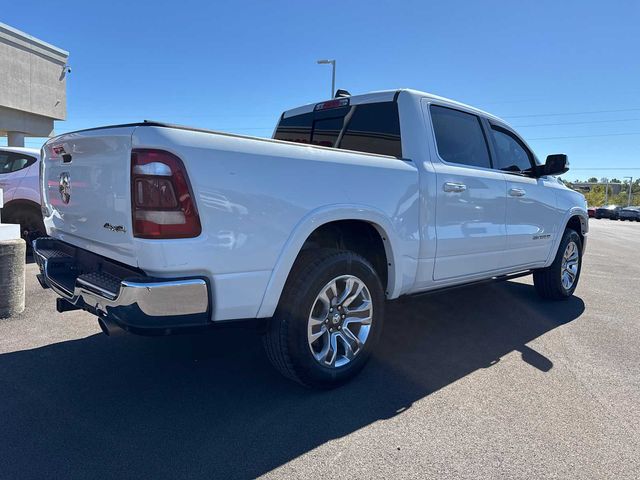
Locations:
(14, 161)
(370, 127)
(459, 137)
(511, 154)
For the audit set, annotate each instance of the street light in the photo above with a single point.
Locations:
(630, 187)
(333, 74)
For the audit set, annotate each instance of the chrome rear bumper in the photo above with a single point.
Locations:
(121, 294)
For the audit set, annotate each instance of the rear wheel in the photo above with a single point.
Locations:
(329, 319)
(559, 280)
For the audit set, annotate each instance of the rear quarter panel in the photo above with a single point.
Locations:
(259, 199)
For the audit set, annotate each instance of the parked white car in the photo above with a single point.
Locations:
(19, 173)
(158, 228)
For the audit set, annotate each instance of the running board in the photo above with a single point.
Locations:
(499, 278)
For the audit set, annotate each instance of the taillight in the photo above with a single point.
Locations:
(161, 200)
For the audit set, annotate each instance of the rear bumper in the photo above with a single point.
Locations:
(121, 294)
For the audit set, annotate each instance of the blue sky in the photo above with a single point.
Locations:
(566, 74)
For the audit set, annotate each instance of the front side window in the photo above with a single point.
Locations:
(13, 161)
(511, 154)
(459, 137)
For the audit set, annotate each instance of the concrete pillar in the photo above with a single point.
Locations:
(15, 139)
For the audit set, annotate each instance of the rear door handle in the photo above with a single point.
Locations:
(454, 187)
(517, 192)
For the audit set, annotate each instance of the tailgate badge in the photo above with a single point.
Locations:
(65, 187)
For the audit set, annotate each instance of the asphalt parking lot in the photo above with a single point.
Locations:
(482, 382)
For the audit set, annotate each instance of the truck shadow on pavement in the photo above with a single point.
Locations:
(210, 406)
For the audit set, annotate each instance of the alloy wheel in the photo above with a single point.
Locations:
(340, 321)
(570, 265)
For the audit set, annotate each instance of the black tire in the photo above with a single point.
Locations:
(285, 340)
(31, 224)
(548, 281)
(598, 217)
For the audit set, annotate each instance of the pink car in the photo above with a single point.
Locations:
(19, 174)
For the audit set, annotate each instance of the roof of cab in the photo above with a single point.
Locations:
(387, 96)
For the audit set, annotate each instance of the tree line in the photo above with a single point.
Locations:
(618, 194)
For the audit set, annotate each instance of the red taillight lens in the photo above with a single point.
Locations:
(162, 202)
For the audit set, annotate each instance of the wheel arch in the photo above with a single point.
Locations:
(579, 224)
(19, 204)
(577, 219)
(321, 218)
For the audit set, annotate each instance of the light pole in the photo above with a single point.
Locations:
(630, 187)
(333, 74)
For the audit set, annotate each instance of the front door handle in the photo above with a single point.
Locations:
(517, 192)
(454, 187)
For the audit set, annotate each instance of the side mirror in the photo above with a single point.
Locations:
(554, 165)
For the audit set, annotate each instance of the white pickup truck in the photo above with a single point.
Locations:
(159, 229)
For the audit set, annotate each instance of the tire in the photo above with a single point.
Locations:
(31, 224)
(549, 281)
(287, 339)
(597, 217)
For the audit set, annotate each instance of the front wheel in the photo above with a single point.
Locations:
(559, 280)
(328, 320)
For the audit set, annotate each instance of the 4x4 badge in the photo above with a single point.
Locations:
(115, 228)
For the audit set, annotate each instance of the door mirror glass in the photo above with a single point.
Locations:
(555, 165)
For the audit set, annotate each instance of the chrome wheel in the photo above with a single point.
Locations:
(570, 262)
(340, 321)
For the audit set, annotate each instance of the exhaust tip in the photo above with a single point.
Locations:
(109, 328)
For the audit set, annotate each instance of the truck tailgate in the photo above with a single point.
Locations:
(86, 192)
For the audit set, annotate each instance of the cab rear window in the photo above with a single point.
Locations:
(370, 127)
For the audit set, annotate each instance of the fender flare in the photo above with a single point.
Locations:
(315, 219)
(579, 212)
